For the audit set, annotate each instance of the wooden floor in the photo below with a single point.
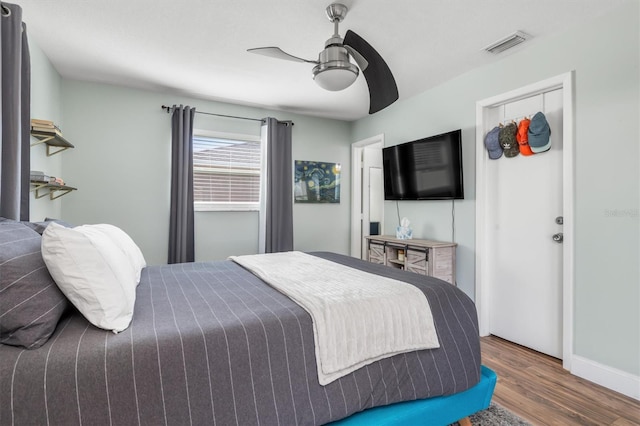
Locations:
(536, 387)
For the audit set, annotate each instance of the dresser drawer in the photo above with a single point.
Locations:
(416, 259)
(376, 253)
(417, 269)
(443, 253)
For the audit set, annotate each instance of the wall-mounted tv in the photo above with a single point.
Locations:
(424, 169)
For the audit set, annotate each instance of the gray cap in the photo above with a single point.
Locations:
(492, 143)
(539, 133)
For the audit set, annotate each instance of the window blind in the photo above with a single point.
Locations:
(226, 171)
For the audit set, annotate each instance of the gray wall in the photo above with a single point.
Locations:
(121, 166)
(605, 57)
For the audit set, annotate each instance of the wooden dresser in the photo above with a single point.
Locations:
(427, 257)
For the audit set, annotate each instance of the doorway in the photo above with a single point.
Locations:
(367, 193)
(524, 276)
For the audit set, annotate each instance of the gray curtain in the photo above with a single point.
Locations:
(181, 238)
(15, 70)
(277, 217)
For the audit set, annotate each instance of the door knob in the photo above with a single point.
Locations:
(558, 237)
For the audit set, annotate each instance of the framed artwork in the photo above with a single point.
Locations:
(316, 182)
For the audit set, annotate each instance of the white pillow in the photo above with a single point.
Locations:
(93, 272)
(127, 245)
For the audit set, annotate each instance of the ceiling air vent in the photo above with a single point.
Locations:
(507, 42)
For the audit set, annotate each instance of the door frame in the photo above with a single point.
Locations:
(357, 149)
(483, 253)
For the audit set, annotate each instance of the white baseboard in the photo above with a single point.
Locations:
(609, 377)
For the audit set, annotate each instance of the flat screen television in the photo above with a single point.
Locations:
(424, 169)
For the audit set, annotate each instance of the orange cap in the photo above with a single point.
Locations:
(522, 138)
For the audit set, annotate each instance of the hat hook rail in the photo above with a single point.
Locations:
(514, 120)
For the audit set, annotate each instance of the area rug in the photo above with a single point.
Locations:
(496, 415)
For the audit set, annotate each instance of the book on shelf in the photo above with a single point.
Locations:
(47, 130)
(39, 122)
(43, 125)
(38, 176)
(56, 181)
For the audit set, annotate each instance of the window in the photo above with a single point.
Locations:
(226, 171)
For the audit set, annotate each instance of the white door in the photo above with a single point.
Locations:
(367, 194)
(524, 196)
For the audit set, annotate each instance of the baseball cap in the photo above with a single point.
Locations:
(522, 137)
(492, 143)
(539, 133)
(507, 138)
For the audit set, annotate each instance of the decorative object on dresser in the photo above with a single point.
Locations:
(434, 258)
(403, 231)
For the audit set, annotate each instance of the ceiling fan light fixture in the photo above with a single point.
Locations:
(335, 78)
(334, 71)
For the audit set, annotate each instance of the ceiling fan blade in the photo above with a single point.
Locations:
(383, 90)
(276, 52)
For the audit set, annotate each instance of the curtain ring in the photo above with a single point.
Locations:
(5, 10)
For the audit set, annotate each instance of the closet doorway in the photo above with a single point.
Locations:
(524, 224)
(367, 193)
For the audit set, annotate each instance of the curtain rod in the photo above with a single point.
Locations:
(168, 108)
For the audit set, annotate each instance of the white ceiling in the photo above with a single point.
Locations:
(198, 47)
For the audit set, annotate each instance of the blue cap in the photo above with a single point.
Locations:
(539, 133)
(493, 144)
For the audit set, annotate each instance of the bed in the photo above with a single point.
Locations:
(210, 343)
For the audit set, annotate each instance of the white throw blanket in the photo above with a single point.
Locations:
(358, 317)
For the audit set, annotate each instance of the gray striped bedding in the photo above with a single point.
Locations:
(211, 344)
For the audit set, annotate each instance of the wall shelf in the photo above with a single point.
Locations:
(53, 190)
(55, 144)
(51, 140)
